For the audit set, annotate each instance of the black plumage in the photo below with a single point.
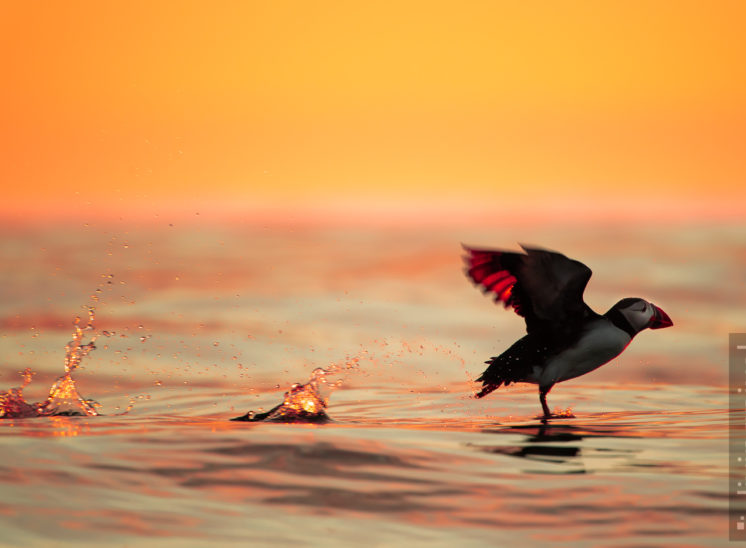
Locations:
(546, 289)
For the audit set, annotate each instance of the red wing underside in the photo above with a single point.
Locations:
(485, 270)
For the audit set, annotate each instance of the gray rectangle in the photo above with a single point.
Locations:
(737, 436)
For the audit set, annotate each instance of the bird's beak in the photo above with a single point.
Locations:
(660, 319)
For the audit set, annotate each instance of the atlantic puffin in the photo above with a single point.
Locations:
(565, 338)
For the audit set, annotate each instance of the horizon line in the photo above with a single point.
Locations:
(381, 212)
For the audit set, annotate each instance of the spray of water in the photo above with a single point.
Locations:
(305, 402)
(63, 398)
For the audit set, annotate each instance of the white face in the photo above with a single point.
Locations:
(639, 314)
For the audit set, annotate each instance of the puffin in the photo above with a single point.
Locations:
(564, 337)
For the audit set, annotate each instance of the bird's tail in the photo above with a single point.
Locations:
(486, 389)
(498, 373)
(490, 383)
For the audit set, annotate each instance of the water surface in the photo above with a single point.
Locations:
(206, 323)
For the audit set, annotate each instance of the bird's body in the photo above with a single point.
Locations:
(566, 339)
(600, 343)
(537, 363)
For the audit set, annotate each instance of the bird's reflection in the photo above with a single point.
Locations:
(550, 443)
(537, 443)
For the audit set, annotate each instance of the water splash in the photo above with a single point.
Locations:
(304, 402)
(63, 398)
(560, 413)
(12, 402)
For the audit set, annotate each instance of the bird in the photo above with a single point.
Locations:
(564, 337)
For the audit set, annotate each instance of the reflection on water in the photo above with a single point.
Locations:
(551, 443)
(205, 332)
(607, 442)
(595, 479)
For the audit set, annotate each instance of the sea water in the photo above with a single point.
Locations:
(199, 324)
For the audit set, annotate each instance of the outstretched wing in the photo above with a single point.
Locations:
(544, 287)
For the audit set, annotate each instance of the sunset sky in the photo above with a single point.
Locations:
(598, 108)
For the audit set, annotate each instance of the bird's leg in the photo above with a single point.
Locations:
(543, 398)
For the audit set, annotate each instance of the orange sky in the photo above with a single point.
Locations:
(162, 106)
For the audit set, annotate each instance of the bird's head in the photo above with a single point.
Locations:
(641, 314)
